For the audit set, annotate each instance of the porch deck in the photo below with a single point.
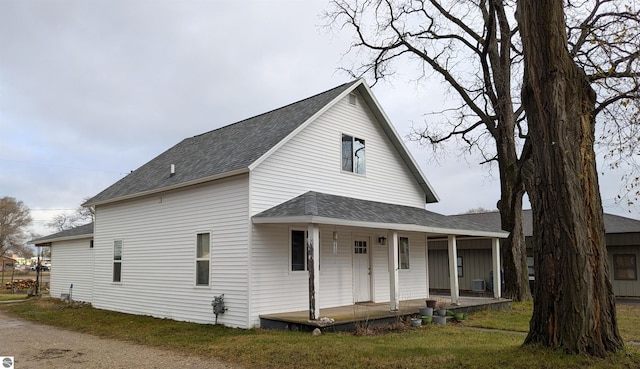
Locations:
(348, 318)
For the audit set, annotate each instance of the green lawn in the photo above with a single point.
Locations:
(453, 346)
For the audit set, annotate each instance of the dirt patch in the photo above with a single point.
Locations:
(37, 346)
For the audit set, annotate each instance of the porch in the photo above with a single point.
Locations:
(350, 317)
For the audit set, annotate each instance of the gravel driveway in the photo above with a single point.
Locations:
(40, 346)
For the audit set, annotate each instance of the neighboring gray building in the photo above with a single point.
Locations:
(623, 248)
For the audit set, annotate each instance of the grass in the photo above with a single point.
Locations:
(452, 346)
(514, 319)
(517, 319)
(4, 296)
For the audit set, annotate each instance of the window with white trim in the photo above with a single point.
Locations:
(298, 250)
(353, 154)
(403, 252)
(117, 260)
(203, 258)
(460, 267)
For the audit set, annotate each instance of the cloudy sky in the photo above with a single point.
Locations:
(90, 90)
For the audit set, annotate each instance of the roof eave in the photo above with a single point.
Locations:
(47, 241)
(169, 188)
(378, 225)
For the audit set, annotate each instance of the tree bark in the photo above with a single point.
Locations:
(574, 306)
(514, 250)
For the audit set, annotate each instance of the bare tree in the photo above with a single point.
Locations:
(82, 215)
(470, 46)
(603, 38)
(474, 47)
(15, 217)
(574, 306)
(479, 210)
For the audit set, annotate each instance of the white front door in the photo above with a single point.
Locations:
(361, 270)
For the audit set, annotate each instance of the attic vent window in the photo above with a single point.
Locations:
(352, 98)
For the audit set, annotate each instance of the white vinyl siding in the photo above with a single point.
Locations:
(413, 281)
(158, 267)
(277, 290)
(72, 263)
(310, 161)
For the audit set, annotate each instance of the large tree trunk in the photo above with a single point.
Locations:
(574, 307)
(514, 251)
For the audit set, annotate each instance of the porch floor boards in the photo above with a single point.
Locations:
(349, 317)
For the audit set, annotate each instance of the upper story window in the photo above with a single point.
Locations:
(353, 154)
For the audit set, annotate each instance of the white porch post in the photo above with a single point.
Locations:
(495, 261)
(426, 261)
(313, 264)
(394, 300)
(453, 269)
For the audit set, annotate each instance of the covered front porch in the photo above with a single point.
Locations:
(388, 252)
(368, 315)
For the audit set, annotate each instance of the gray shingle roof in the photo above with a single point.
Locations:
(612, 223)
(227, 149)
(350, 209)
(76, 232)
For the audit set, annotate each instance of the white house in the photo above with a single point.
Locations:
(313, 205)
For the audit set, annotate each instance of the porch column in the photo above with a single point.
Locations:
(453, 269)
(313, 258)
(495, 261)
(394, 286)
(426, 261)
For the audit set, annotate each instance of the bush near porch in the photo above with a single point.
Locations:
(452, 346)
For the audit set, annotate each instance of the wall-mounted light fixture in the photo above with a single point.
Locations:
(382, 240)
(335, 242)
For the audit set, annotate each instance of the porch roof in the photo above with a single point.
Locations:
(79, 232)
(321, 208)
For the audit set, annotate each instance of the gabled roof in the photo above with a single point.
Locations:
(83, 231)
(321, 208)
(612, 223)
(233, 149)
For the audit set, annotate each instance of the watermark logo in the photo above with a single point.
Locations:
(7, 362)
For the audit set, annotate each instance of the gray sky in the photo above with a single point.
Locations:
(90, 90)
